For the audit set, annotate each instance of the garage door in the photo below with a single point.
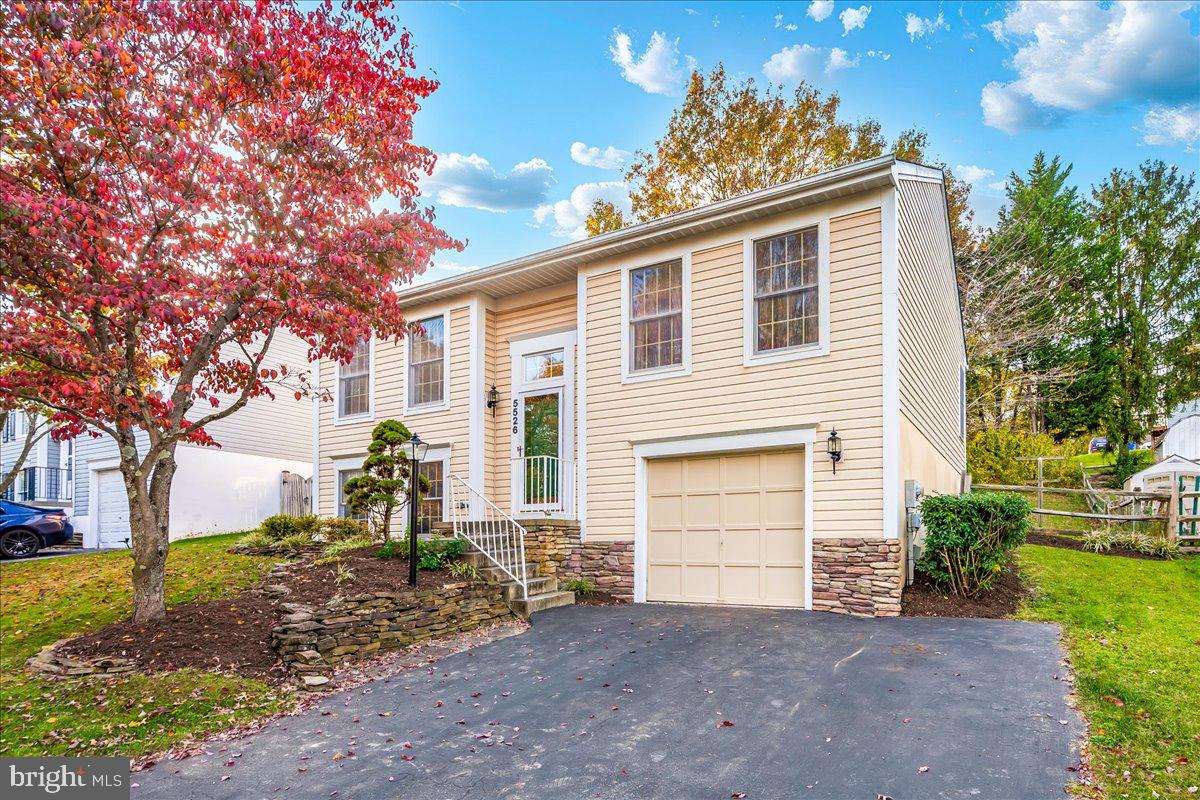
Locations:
(113, 508)
(727, 529)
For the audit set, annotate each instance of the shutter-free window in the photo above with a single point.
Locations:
(430, 509)
(354, 382)
(656, 316)
(786, 303)
(427, 366)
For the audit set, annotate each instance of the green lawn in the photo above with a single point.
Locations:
(45, 600)
(1133, 631)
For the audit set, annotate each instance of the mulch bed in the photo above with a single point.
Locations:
(235, 634)
(1050, 540)
(596, 599)
(922, 599)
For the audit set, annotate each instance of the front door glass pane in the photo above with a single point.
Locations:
(541, 448)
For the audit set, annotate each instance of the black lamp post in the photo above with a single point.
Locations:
(834, 444)
(416, 452)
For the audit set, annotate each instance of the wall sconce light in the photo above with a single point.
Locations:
(834, 446)
(493, 399)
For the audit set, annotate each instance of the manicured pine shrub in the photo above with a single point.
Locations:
(968, 538)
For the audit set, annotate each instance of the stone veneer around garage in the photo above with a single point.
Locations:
(857, 576)
(555, 546)
(311, 639)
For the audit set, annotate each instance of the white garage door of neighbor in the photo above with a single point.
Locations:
(112, 504)
(727, 529)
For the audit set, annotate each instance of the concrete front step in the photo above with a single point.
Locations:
(512, 589)
(541, 602)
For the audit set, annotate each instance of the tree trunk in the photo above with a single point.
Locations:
(149, 519)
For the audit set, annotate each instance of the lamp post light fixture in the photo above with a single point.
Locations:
(416, 451)
(493, 399)
(834, 446)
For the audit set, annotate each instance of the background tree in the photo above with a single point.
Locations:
(729, 138)
(384, 482)
(1026, 299)
(178, 183)
(1148, 231)
(604, 217)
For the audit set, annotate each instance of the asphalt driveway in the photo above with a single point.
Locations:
(681, 702)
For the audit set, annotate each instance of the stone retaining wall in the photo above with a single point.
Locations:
(857, 576)
(310, 640)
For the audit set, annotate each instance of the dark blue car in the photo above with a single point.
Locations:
(24, 529)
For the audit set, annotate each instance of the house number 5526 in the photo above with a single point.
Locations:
(516, 414)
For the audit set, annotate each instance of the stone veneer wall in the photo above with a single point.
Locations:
(857, 576)
(555, 546)
(311, 639)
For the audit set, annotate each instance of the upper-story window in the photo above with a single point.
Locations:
(354, 382)
(427, 363)
(786, 301)
(656, 317)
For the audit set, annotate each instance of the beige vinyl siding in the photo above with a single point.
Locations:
(547, 311)
(275, 428)
(439, 428)
(843, 388)
(931, 346)
(494, 417)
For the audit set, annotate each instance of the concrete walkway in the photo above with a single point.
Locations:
(681, 702)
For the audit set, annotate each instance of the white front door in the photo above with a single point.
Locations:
(543, 433)
(112, 506)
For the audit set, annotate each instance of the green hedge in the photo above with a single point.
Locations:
(968, 538)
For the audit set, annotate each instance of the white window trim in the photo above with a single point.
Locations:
(628, 375)
(369, 416)
(751, 358)
(442, 454)
(340, 465)
(427, 408)
(565, 384)
(785, 438)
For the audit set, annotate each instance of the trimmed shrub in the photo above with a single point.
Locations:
(335, 529)
(968, 538)
(282, 526)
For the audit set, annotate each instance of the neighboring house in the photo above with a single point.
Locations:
(1182, 436)
(672, 387)
(215, 490)
(44, 478)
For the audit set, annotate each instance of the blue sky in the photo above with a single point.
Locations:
(534, 95)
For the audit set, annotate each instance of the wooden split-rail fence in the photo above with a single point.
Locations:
(1178, 509)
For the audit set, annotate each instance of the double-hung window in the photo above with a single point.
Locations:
(354, 382)
(343, 507)
(427, 363)
(430, 511)
(656, 317)
(787, 311)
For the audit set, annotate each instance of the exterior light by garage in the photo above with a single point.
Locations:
(834, 445)
(493, 399)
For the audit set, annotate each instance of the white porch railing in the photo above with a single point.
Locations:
(546, 484)
(493, 532)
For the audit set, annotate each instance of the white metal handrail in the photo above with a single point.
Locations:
(546, 483)
(492, 531)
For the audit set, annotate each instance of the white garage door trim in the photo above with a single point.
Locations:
(802, 436)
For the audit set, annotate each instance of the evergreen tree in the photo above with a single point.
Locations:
(383, 484)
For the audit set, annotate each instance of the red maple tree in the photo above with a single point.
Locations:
(178, 183)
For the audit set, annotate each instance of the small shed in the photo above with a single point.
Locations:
(1160, 476)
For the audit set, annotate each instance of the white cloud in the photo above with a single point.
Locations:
(879, 54)
(568, 215)
(916, 26)
(791, 26)
(820, 10)
(779, 20)
(854, 18)
(972, 174)
(795, 63)
(608, 158)
(656, 70)
(1073, 57)
(998, 186)
(1180, 125)
(800, 62)
(470, 181)
(692, 12)
(840, 59)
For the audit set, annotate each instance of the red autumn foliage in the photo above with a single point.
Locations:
(179, 183)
